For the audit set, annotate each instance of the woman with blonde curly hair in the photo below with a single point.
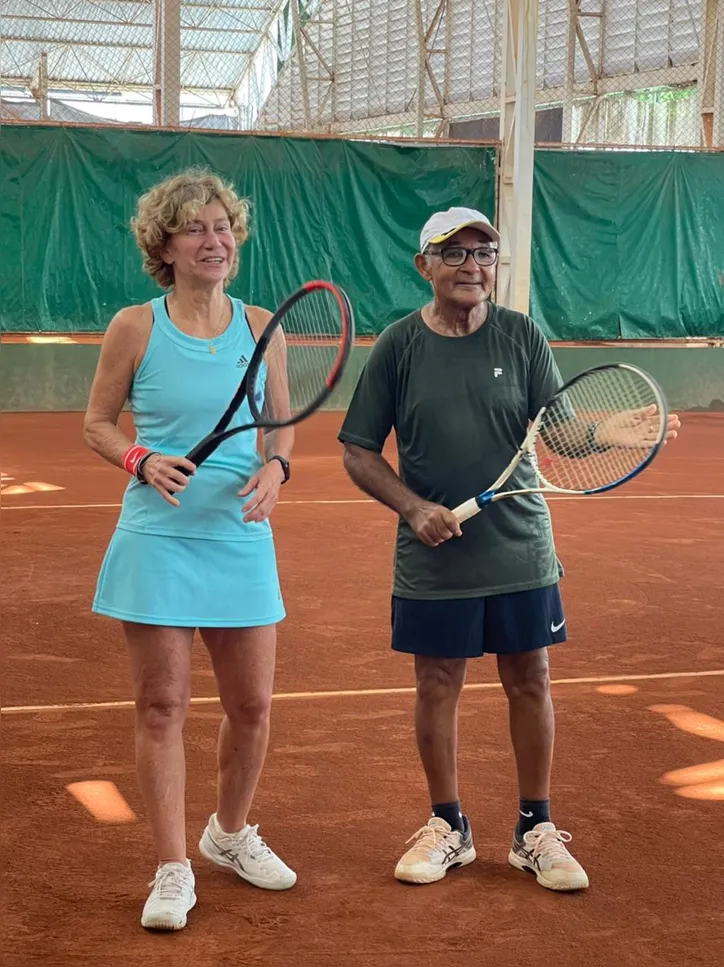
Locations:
(191, 549)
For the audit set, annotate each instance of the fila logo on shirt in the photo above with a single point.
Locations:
(497, 372)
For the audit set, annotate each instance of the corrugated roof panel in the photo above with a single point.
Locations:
(107, 45)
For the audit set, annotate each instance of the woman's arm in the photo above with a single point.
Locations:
(264, 485)
(280, 440)
(123, 346)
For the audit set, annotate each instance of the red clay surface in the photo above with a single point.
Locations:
(342, 789)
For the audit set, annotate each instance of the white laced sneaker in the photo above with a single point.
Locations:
(436, 849)
(543, 851)
(170, 899)
(247, 855)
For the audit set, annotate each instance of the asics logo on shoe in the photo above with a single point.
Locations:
(454, 851)
(528, 854)
(232, 855)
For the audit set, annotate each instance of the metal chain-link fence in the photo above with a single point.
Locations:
(633, 72)
(128, 61)
(609, 72)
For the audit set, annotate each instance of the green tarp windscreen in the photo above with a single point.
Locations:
(628, 244)
(347, 211)
(625, 244)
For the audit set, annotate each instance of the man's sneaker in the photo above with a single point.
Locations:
(247, 855)
(437, 848)
(170, 899)
(542, 851)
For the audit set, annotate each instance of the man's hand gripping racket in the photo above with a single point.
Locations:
(599, 431)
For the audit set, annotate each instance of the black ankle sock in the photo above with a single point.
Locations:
(530, 813)
(451, 813)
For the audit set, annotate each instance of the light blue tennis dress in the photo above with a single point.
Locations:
(198, 565)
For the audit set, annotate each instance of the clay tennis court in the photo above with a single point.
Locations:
(639, 769)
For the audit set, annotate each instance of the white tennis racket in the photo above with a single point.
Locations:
(601, 429)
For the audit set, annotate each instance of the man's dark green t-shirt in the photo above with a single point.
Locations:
(460, 407)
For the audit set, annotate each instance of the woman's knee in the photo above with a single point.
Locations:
(251, 710)
(161, 669)
(159, 710)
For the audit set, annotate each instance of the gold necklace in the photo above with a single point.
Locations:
(212, 348)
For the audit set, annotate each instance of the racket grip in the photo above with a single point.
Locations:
(467, 510)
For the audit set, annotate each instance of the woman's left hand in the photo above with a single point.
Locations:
(264, 487)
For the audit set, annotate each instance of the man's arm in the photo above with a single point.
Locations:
(431, 523)
(563, 432)
(370, 418)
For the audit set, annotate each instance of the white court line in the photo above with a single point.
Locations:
(362, 692)
(56, 506)
(280, 503)
(290, 503)
(636, 497)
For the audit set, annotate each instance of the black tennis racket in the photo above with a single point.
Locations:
(600, 430)
(298, 360)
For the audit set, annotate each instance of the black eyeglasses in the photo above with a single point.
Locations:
(456, 255)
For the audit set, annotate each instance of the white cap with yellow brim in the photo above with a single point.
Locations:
(443, 225)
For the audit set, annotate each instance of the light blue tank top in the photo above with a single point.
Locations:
(179, 392)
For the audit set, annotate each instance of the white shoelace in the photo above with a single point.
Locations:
(429, 837)
(258, 849)
(169, 883)
(549, 843)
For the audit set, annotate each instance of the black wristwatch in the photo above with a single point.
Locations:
(141, 464)
(591, 439)
(284, 463)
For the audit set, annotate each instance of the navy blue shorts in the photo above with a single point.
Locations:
(501, 624)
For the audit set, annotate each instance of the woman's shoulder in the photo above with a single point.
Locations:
(129, 331)
(258, 319)
(138, 318)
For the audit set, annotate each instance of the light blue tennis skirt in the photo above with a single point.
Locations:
(188, 582)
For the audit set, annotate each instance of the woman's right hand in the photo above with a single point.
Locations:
(163, 473)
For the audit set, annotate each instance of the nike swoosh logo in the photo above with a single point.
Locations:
(555, 627)
(527, 815)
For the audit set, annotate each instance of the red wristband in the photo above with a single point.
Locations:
(132, 457)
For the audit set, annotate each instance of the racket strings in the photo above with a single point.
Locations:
(300, 357)
(600, 430)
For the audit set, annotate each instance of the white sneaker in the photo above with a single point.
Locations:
(437, 848)
(170, 899)
(247, 855)
(543, 851)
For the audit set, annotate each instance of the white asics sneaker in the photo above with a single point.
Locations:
(170, 899)
(437, 848)
(542, 851)
(247, 855)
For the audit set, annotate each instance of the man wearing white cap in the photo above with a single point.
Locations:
(458, 381)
